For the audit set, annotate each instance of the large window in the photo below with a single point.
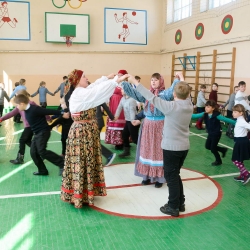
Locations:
(178, 9)
(210, 4)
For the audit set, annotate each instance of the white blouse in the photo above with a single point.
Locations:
(94, 95)
(241, 127)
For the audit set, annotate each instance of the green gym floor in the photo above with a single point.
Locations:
(32, 216)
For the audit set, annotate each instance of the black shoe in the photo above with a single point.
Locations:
(181, 207)
(158, 184)
(41, 173)
(216, 163)
(224, 152)
(147, 182)
(19, 122)
(166, 209)
(18, 160)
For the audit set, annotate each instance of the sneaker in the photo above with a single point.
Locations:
(166, 209)
(216, 163)
(239, 178)
(246, 179)
(147, 182)
(110, 159)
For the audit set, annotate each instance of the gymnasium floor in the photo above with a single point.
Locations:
(33, 216)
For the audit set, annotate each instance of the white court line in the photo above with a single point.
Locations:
(10, 196)
(206, 138)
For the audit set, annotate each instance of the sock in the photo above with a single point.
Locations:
(240, 165)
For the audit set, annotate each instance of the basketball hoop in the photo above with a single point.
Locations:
(68, 40)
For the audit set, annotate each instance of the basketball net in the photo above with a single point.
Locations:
(68, 40)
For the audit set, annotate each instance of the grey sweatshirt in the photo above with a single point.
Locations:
(230, 102)
(178, 114)
(128, 105)
(2, 95)
(201, 101)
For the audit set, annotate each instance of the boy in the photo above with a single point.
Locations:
(200, 104)
(230, 102)
(61, 87)
(213, 94)
(241, 96)
(175, 140)
(35, 116)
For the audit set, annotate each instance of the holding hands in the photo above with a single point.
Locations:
(136, 122)
(179, 75)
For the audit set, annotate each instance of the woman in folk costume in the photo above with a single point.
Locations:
(83, 176)
(114, 128)
(149, 156)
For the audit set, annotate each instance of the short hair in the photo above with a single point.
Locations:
(16, 84)
(235, 87)
(241, 83)
(137, 78)
(65, 77)
(203, 86)
(182, 90)
(156, 75)
(212, 104)
(23, 92)
(42, 83)
(216, 84)
(21, 99)
(22, 81)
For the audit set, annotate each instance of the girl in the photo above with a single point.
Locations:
(241, 150)
(42, 91)
(212, 118)
(128, 105)
(149, 156)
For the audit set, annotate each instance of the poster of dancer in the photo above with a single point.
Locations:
(14, 20)
(125, 26)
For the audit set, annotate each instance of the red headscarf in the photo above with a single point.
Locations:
(122, 71)
(74, 78)
(155, 92)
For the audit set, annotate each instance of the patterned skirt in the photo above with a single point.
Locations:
(149, 155)
(83, 176)
(113, 133)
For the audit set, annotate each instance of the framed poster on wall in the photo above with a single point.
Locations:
(14, 20)
(59, 25)
(125, 26)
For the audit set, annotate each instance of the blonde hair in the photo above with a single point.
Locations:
(240, 108)
(182, 90)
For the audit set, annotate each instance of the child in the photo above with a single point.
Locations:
(241, 97)
(149, 156)
(241, 150)
(230, 103)
(42, 91)
(17, 117)
(27, 133)
(175, 140)
(3, 95)
(35, 116)
(61, 87)
(21, 85)
(128, 105)
(200, 104)
(213, 94)
(212, 118)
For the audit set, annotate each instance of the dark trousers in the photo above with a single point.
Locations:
(25, 139)
(39, 152)
(43, 104)
(130, 131)
(173, 161)
(1, 110)
(229, 113)
(105, 152)
(200, 110)
(66, 124)
(212, 144)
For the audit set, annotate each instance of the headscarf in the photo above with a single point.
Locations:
(155, 92)
(122, 71)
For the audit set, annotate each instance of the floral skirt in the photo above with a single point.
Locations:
(83, 176)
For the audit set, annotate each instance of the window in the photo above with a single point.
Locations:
(178, 9)
(210, 4)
